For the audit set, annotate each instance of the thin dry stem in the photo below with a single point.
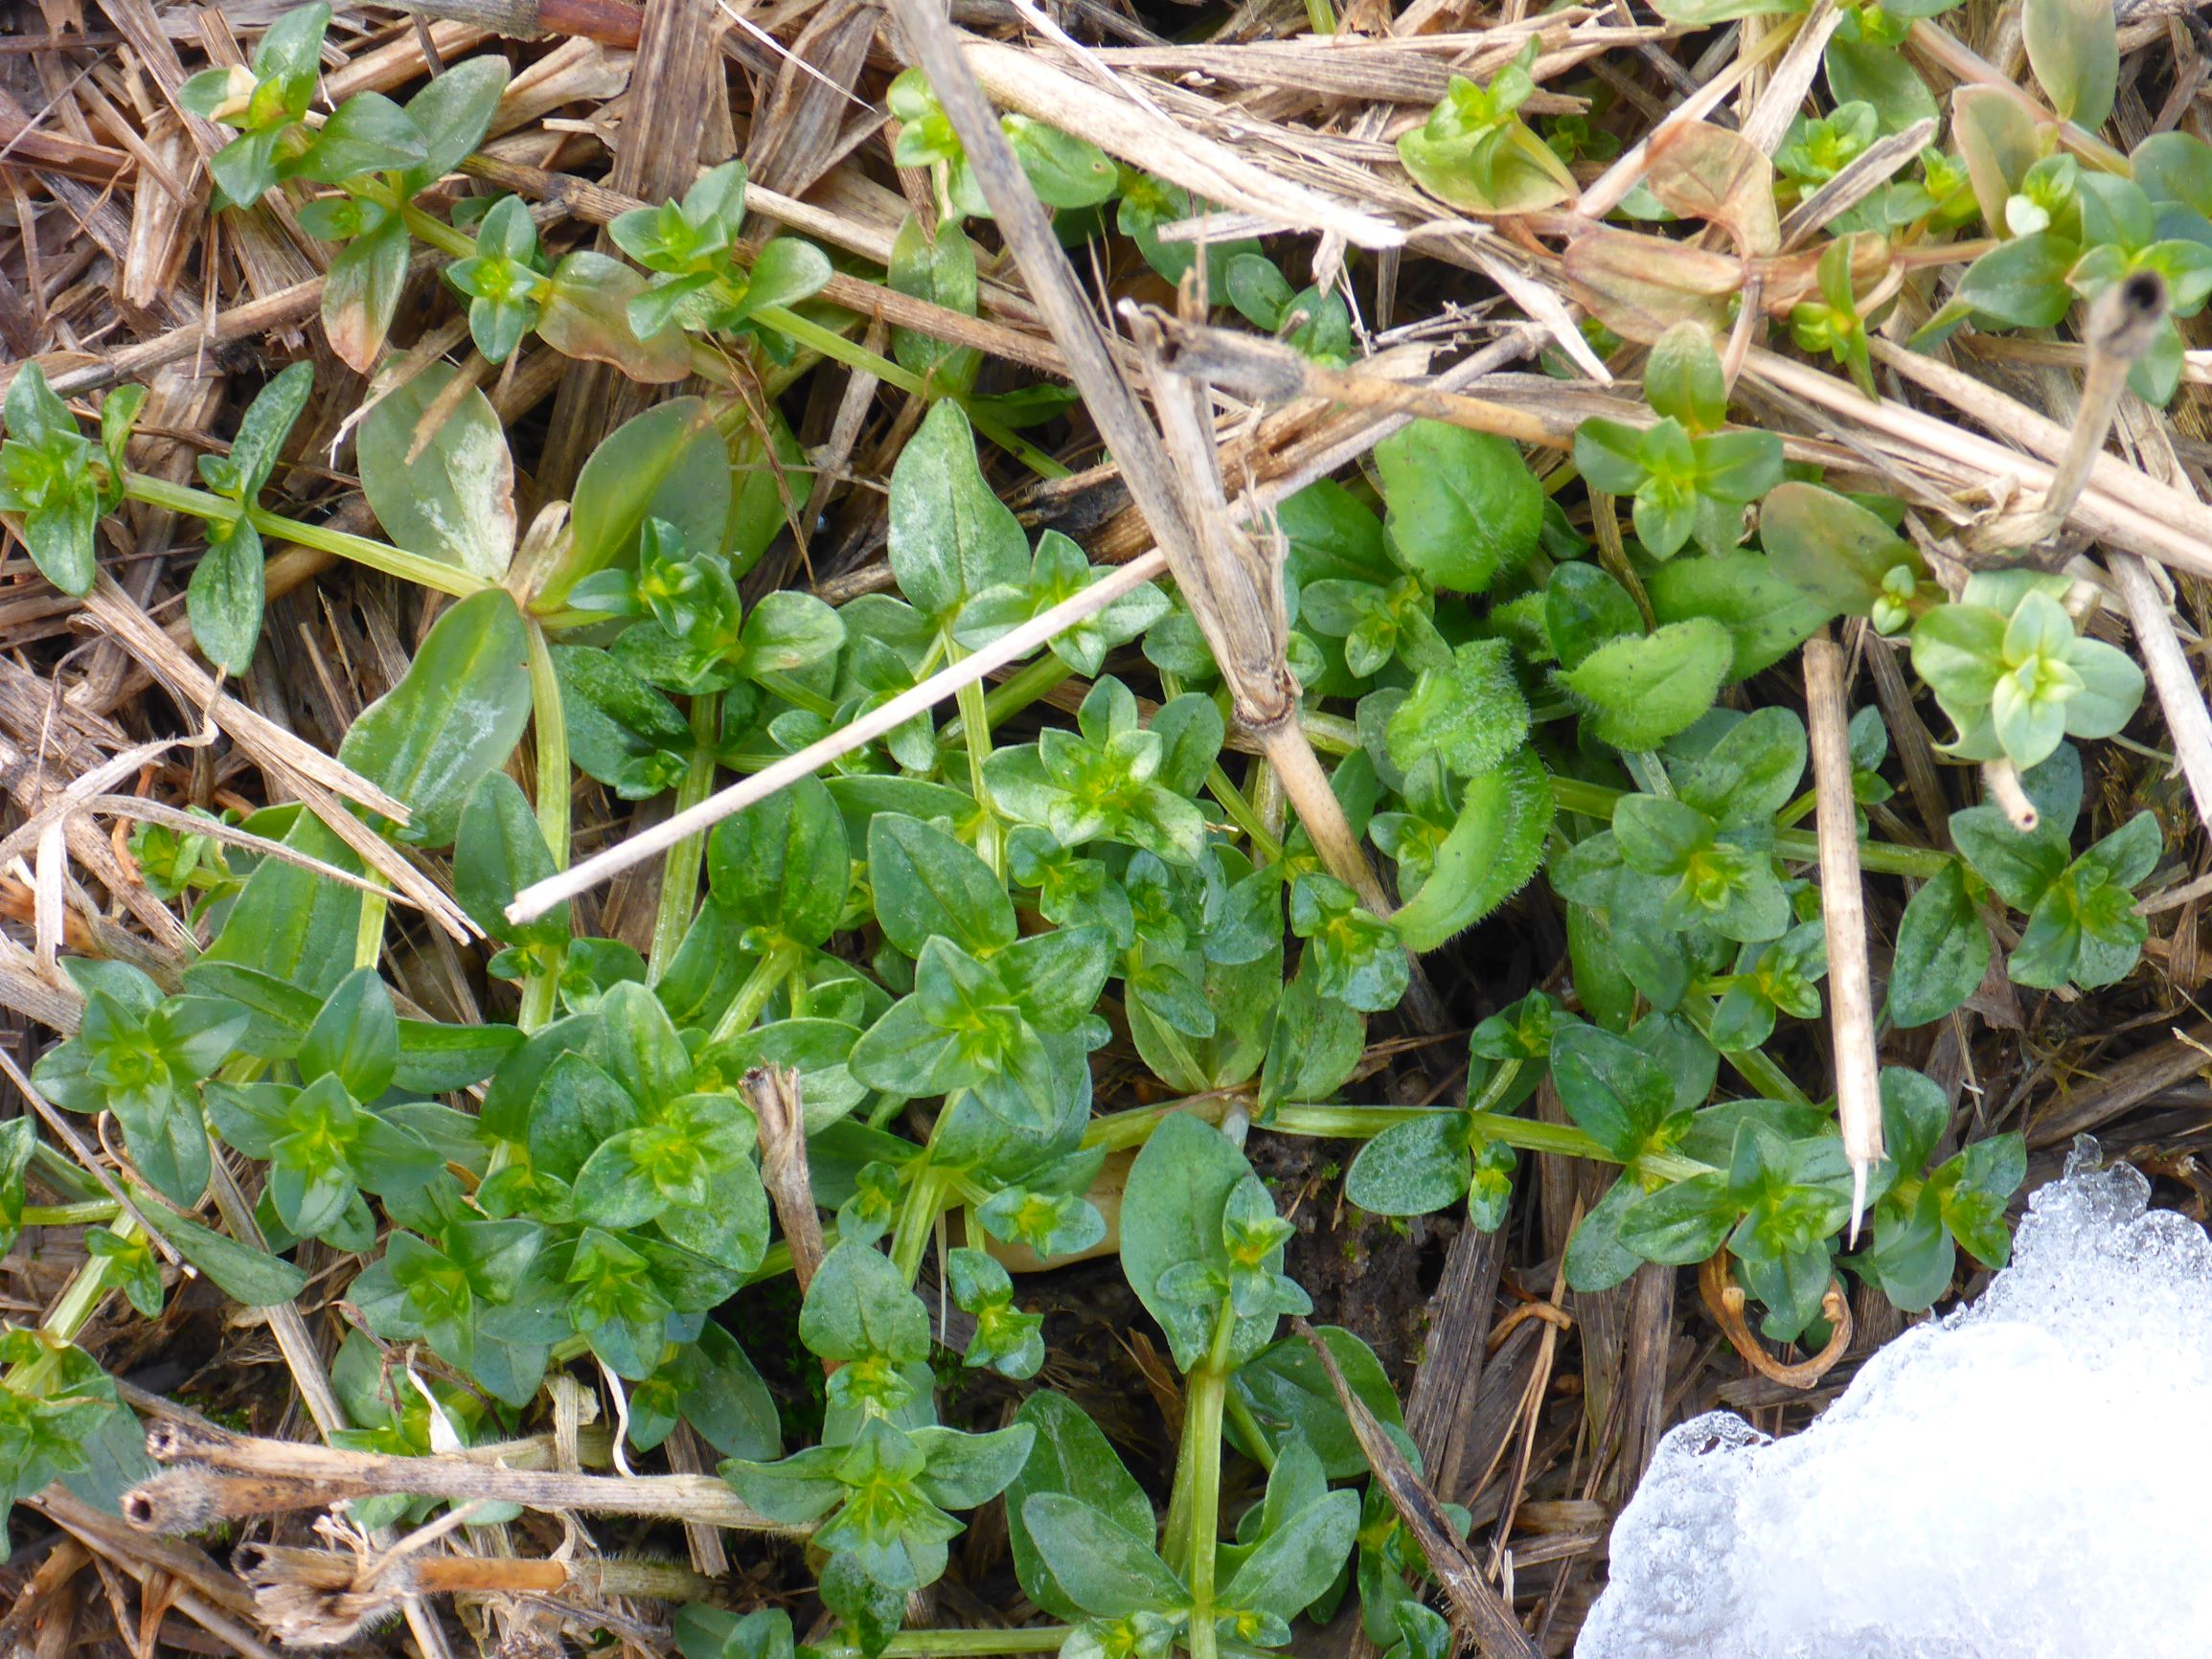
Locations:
(536, 900)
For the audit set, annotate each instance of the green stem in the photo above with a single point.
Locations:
(1364, 1123)
(975, 733)
(92, 1213)
(1223, 789)
(1003, 701)
(64, 1177)
(1754, 1064)
(541, 992)
(1206, 1392)
(797, 695)
(963, 1644)
(753, 995)
(834, 345)
(917, 1222)
(1796, 846)
(1248, 1425)
(369, 934)
(679, 880)
(1119, 1131)
(1649, 773)
(80, 1299)
(429, 573)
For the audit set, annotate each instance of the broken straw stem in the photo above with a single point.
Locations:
(2122, 324)
(2002, 780)
(216, 1475)
(1844, 917)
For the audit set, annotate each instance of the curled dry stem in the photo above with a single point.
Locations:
(1725, 1300)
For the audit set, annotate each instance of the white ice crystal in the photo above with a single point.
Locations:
(2029, 1478)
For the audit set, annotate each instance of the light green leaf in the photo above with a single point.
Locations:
(1638, 692)
(1462, 505)
(456, 715)
(455, 501)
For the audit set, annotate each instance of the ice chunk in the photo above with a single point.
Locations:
(2024, 1479)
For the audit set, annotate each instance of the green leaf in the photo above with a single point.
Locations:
(224, 597)
(1260, 292)
(928, 885)
(1490, 854)
(1172, 1218)
(452, 112)
(455, 716)
(2023, 867)
(251, 1277)
(1100, 1569)
(1943, 951)
(951, 538)
(434, 1059)
(1413, 1168)
(1617, 1094)
(1583, 609)
(1766, 616)
(1070, 1455)
(1610, 454)
(1972, 1190)
(498, 850)
(725, 1399)
(1064, 171)
(1831, 549)
(783, 863)
(1462, 505)
(1659, 836)
(1596, 1259)
(1862, 72)
(858, 1308)
(1914, 1115)
(1293, 1401)
(2073, 47)
(1638, 692)
(355, 1037)
(1053, 979)
(1683, 378)
(1470, 711)
(967, 1470)
(588, 315)
(367, 133)
(941, 271)
(2019, 284)
(1681, 1224)
(784, 272)
(1749, 775)
(362, 290)
(261, 437)
(1294, 1565)
(705, 1632)
(455, 501)
(1314, 1046)
(669, 462)
(290, 923)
